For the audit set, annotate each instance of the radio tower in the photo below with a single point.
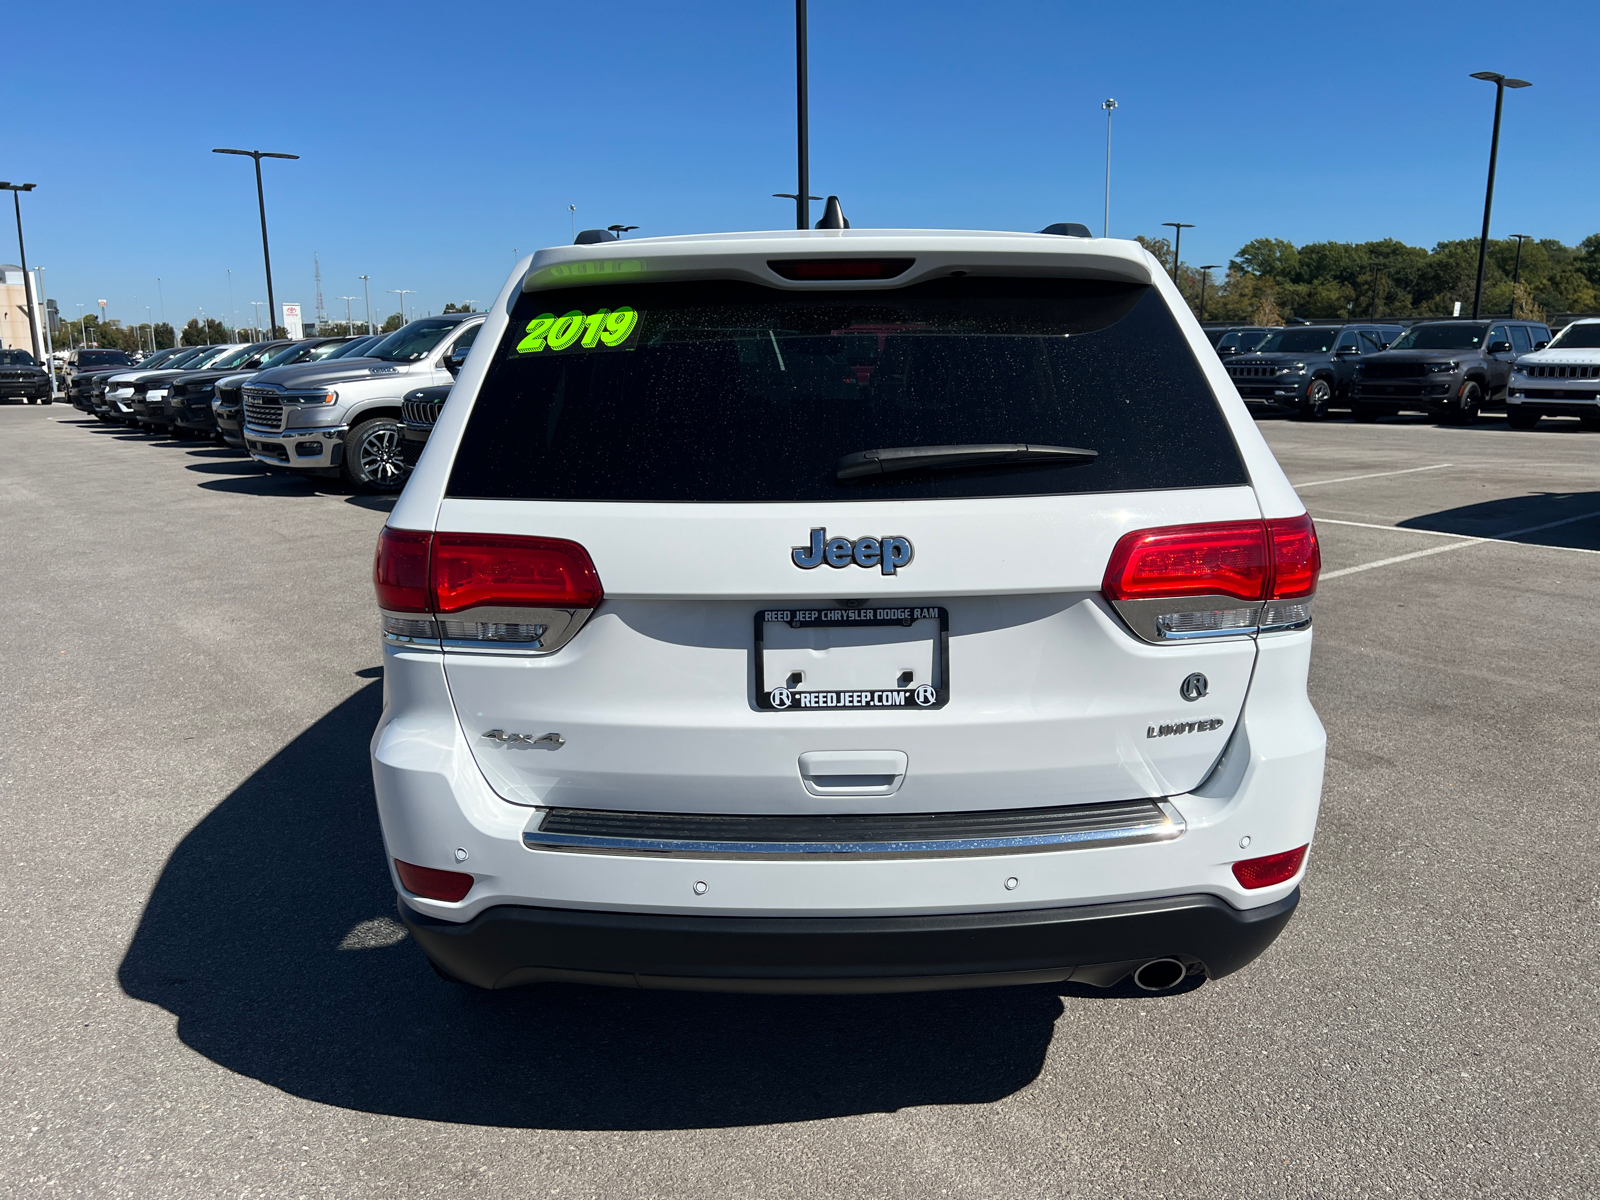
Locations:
(322, 317)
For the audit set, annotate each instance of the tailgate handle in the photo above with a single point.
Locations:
(853, 772)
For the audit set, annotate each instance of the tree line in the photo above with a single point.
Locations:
(1270, 279)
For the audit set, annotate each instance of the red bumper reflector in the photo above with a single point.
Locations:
(431, 883)
(1263, 872)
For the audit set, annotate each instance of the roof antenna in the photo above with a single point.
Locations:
(833, 216)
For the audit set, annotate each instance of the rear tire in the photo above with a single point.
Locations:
(372, 460)
(1521, 418)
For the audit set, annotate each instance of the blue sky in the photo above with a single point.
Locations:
(437, 140)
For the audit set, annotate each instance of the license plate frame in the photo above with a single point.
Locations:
(925, 697)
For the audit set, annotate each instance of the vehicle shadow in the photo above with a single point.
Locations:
(260, 481)
(1539, 518)
(271, 936)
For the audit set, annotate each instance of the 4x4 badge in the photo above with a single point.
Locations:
(888, 554)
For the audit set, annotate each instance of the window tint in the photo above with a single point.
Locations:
(1580, 335)
(1348, 343)
(1520, 341)
(725, 391)
(1299, 341)
(1498, 334)
(413, 342)
(1441, 337)
(16, 358)
(1370, 341)
(103, 358)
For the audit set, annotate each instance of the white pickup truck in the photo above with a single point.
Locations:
(342, 417)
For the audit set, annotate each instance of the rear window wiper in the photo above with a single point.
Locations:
(943, 458)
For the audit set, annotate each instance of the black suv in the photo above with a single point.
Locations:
(1305, 369)
(1242, 339)
(22, 378)
(1449, 369)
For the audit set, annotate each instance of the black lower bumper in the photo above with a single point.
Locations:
(507, 946)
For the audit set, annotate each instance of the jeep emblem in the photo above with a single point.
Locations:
(888, 554)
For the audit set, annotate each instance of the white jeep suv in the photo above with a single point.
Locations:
(1561, 379)
(857, 610)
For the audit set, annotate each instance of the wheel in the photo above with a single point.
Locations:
(1519, 417)
(1315, 406)
(1363, 412)
(372, 460)
(48, 400)
(1470, 401)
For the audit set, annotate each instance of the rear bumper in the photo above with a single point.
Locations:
(511, 945)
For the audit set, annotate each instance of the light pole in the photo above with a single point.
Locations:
(16, 190)
(572, 211)
(83, 337)
(349, 323)
(261, 200)
(402, 293)
(1516, 275)
(1501, 83)
(1177, 240)
(44, 333)
(1110, 106)
(802, 193)
(1205, 276)
(366, 288)
(151, 319)
(161, 298)
(256, 304)
(232, 311)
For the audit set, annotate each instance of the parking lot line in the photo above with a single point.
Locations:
(1374, 475)
(1398, 529)
(1466, 540)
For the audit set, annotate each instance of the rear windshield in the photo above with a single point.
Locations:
(102, 358)
(727, 391)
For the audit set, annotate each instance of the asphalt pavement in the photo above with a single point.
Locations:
(204, 992)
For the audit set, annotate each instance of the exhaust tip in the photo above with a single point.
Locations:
(1160, 974)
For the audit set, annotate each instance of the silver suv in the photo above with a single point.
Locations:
(343, 416)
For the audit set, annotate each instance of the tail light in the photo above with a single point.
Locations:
(1214, 580)
(483, 591)
(1269, 869)
(433, 884)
